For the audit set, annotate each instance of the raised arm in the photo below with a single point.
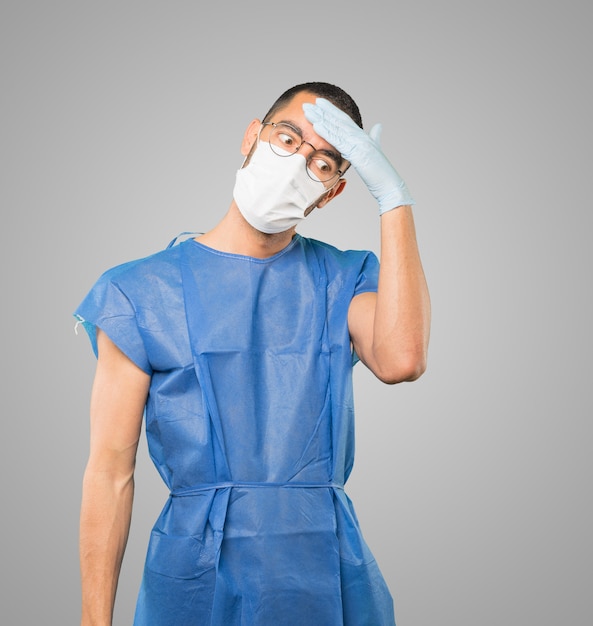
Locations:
(390, 329)
(117, 405)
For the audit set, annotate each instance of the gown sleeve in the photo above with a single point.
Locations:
(368, 277)
(368, 280)
(107, 307)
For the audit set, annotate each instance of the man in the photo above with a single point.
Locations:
(239, 347)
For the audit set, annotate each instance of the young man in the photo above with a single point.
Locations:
(239, 346)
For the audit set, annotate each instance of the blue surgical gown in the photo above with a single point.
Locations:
(250, 423)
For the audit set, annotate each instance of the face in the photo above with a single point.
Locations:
(293, 115)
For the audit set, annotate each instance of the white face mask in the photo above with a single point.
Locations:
(273, 192)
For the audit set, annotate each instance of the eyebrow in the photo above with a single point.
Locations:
(331, 153)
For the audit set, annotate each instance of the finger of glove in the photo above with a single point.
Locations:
(340, 119)
(332, 110)
(335, 130)
(375, 133)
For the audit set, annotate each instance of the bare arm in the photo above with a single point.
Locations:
(117, 404)
(390, 329)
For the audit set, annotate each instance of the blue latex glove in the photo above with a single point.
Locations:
(362, 150)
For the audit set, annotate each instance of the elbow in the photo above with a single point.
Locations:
(405, 370)
(415, 370)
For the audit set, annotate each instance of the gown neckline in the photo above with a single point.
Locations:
(245, 257)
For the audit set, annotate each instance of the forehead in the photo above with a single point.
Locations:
(294, 108)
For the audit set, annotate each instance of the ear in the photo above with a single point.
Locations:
(250, 136)
(333, 192)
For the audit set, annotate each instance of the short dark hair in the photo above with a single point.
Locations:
(334, 94)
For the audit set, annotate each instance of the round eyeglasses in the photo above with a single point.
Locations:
(284, 140)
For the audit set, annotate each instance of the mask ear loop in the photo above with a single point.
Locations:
(338, 179)
(310, 208)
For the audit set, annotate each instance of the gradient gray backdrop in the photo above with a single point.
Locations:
(121, 126)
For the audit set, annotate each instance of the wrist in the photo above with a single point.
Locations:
(398, 197)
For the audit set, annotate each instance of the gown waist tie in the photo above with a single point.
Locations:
(196, 489)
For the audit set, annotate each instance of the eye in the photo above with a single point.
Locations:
(287, 139)
(323, 166)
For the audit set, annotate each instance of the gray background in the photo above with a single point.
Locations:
(121, 126)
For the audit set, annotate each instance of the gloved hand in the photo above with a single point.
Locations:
(362, 150)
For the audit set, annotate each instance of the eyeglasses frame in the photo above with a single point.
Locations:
(339, 173)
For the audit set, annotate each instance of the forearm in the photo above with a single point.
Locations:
(104, 525)
(402, 315)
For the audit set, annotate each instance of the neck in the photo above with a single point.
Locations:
(233, 234)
